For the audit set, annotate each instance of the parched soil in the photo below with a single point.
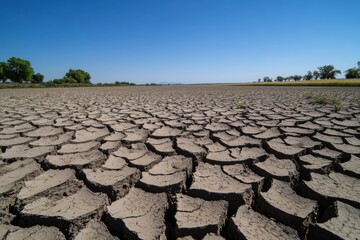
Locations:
(179, 162)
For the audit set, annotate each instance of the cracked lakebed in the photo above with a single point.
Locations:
(179, 162)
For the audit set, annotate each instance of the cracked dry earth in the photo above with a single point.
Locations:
(179, 162)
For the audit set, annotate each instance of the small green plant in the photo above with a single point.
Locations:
(338, 108)
(321, 99)
(337, 103)
(308, 95)
(357, 100)
(295, 104)
(240, 105)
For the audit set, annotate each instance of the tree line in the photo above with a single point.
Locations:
(18, 70)
(324, 72)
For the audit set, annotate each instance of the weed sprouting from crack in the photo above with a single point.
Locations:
(240, 105)
(309, 95)
(323, 99)
(336, 102)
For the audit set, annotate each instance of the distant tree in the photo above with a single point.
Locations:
(58, 81)
(316, 74)
(352, 73)
(117, 83)
(267, 79)
(279, 78)
(308, 76)
(328, 72)
(297, 77)
(37, 78)
(18, 70)
(127, 83)
(69, 80)
(77, 76)
(259, 80)
(3, 68)
(289, 78)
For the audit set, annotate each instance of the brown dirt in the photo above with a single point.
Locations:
(181, 162)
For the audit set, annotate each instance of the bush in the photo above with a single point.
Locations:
(321, 99)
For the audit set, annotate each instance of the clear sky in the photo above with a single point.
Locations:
(187, 41)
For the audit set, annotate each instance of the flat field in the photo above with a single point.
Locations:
(189, 162)
(323, 82)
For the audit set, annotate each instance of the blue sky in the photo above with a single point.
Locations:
(188, 41)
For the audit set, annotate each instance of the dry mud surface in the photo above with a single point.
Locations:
(179, 162)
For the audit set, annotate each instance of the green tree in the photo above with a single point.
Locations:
(77, 76)
(37, 78)
(19, 70)
(297, 77)
(352, 73)
(289, 78)
(66, 79)
(3, 68)
(316, 74)
(280, 79)
(267, 79)
(308, 76)
(328, 72)
(58, 81)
